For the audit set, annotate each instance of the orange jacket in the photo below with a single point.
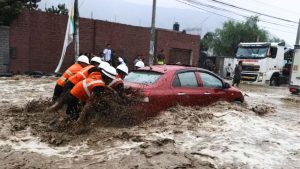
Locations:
(72, 70)
(84, 89)
(81, 75)
(95, 75)
(116, 82)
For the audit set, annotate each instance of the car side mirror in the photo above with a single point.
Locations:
(226, 85)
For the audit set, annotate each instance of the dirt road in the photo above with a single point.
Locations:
(264, 133)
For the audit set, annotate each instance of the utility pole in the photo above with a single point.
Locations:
(76, 33)
(298, 35)
(152, 40)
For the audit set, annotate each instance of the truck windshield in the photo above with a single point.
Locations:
(254, 52)
(144, 77)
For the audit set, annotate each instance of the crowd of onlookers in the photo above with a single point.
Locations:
(109, 55)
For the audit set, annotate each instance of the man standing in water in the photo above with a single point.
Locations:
(237, 74)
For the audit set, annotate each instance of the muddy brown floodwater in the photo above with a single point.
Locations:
(262, 133)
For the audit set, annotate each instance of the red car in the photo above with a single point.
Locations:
(164, 86)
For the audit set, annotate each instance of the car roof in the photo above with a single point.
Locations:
(166, 68)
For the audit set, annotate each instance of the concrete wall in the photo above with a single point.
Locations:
(4, 49)
(37, 39)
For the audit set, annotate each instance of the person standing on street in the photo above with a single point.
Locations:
(228, 71)
(107, 53)
(114, 59)
(161, 57)
(237, 74)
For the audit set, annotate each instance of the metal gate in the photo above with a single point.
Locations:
(182, 56)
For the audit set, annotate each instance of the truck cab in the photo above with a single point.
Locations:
(295, 72)
(262, 62)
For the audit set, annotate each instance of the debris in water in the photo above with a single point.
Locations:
(291, 99)
(263, 109)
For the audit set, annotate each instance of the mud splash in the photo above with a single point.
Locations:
(263, 109)
(291, 99)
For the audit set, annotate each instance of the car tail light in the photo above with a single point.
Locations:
(293, 90)
(145, 99)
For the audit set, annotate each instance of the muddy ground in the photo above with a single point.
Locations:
(262, 133)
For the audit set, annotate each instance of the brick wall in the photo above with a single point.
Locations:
(4, 49)
(37, 38)
(170, 39)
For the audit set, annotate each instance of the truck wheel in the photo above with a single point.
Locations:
(274, 81)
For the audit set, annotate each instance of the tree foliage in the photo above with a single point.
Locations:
(275, 39)
(59, 10)
(10, 9)
(31, 4)
(225, 40)
(206, 41)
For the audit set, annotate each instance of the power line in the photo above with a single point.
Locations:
(196, 6)
(82, 3)
(218, 8)
(259, 13)
(279, 30)
(290, 11)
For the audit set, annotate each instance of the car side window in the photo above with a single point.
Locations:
(210, 81)
(185, 79)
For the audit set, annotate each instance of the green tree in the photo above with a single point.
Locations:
(59, 10)
(10, 9)
(206, 41)
(226, 39)
(275, 39)
(31, 4)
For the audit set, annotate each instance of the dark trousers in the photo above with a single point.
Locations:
(72, 107)
(57, 92)
(236, 80)
(228, 74)
(68, 86)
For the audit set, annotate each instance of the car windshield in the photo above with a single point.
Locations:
(252, 52)
(144, 77)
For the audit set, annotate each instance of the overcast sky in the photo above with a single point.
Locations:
(138, 12)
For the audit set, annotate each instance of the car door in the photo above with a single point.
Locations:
(186, 88)
(212, 86)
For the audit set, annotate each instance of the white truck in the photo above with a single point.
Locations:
(295, 72)
(263, 62)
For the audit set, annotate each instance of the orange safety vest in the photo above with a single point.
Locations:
(72, 70)
(95, 75)
(81, 75)
(83, 89)
(116, 82)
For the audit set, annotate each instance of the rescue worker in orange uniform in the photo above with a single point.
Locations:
(82, 91)
(81, 62)
(118, 84)
(82, 74)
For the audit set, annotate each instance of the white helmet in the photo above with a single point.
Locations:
(109, 71)
(140, 64)
(103, 65)
(96, 59)
(123, 68)
(121, 60)
(83, 59)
